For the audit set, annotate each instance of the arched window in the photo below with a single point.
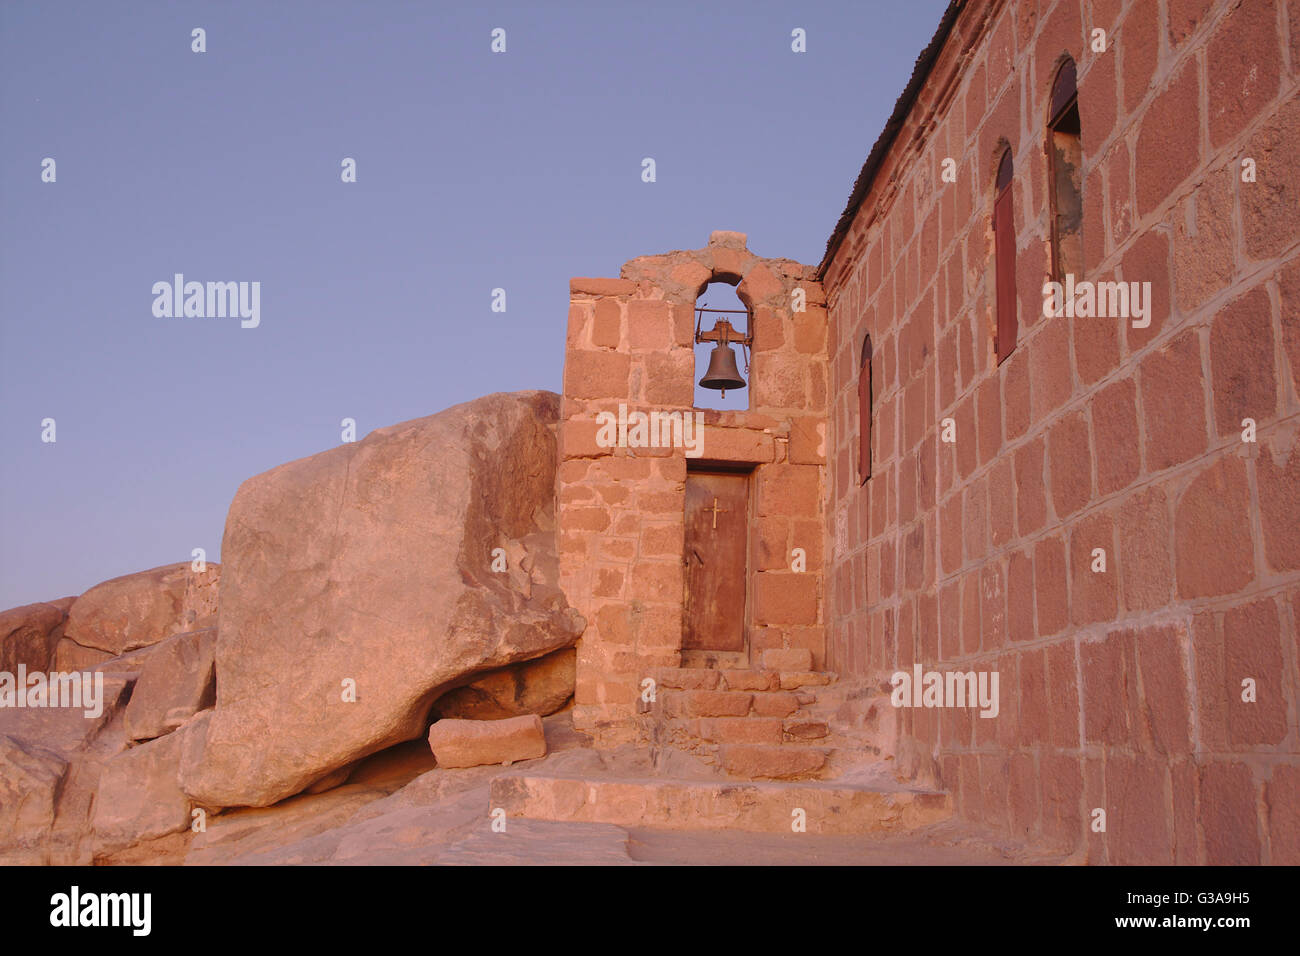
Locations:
(864, 413)
(1064, 163)
(1004, 255)
(717, 303)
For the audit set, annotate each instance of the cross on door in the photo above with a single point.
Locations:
(716, 569)
(715, 509)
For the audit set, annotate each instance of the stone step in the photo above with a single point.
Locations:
(687, 678)
(792, 659)
(793, 731)
(773, 762)
(757, 680)
(740, 730)
(740, 679)
(726, 703)
(804, 728)
(828, 807)
(793, 680)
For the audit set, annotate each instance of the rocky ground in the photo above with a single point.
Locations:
(398, 809)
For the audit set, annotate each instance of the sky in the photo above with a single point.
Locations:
(475, 170)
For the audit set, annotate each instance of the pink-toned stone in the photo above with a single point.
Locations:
(540, 687)
(477, 743)
(132, 611)
(756, 761)
(359, 583)
(29, 635)
(794, 659)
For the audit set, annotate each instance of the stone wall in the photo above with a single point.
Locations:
(621, 510)
(1120, 690)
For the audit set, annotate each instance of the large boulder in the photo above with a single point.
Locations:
(370, 566)
(140, 609)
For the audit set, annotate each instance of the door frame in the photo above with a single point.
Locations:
(692, 657)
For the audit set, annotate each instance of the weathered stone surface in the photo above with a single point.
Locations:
(199, 606)
(477, 743)
(177, 680)
(757, 761)
(372, 562)
(29, 635)
(875, 806)
(52, 790)
(71, 656)
(67, 730)
(139, 796)
(540, 687)
(31, 777)
(793, 659)
(132, 611)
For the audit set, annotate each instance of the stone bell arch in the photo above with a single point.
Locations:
(624, 505)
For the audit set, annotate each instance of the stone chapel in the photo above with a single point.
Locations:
(939, 470)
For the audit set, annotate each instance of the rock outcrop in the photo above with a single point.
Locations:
(177, 680)
(539, 687)
(50, 761)
(31, 778)
(139, 797)
(29, 635)
(361, 585)
(137, 610)
(358, 585)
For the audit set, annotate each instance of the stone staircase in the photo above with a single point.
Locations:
(759, 749)
(750, 723)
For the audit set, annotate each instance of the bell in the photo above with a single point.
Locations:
(722, 373)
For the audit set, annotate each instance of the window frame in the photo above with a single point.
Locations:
(865, 408)
(1004, 259)
(1063, 112)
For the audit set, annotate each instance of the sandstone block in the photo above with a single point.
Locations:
(741, 730)
(750, 679)
(775, 704)
(795, 680)
(755, 761)
(476, 743)
(598, 286)
(717, 703)
(794, 659)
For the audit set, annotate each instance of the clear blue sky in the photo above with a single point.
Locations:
(475, 171)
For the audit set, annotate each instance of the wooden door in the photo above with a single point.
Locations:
(717, 537)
